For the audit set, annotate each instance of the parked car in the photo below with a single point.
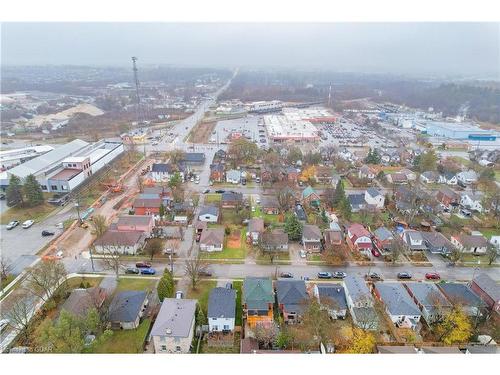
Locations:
(206, 273)
(432, 276)
(373, 276)
(206, 191)
(148, 271)
(339, 275)
(220, 191)
(46, 233)
(3, 324)
(179, 294)
(286, 275)
(143, 265)
(302, 253)
(375, 253)
(12, 224)
(28, 223)
(324, 275)
(132, 270)
(404, 275)
(229, 285)
(198, 237)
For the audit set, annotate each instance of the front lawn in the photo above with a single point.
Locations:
(489, 232)
(213, 198)
(201, 293)
(229, 252)
(230, 216)
(135, 283)
(238, 286)
(21, 214)
(125, 341)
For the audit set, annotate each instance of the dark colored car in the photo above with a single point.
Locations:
(373, 276)
(148, 271)
(324, 275)
(375, 253)
(286, 275)
(219, 191)
(143, 265)
(198, 236)
(132, 270)
(46, 233)
(404, 275)
(206, 273)
(432, 276)
(339, 275)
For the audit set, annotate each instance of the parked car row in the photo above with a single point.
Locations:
(15, 223)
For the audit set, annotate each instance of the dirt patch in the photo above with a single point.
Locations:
(202, 131)
(234, 240)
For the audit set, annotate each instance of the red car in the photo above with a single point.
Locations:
(375, 253)
(143, 265)
(432, 276)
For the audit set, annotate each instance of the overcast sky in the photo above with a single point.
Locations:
(414, 48)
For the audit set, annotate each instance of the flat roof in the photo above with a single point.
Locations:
(66, 174)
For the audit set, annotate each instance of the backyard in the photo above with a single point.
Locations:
(232, 249)
(125, 341)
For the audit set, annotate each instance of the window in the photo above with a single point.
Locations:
(226, 327)
(214, 318)
(43, 187)
(53, 187)
(163, 348)
(215, 328)
(177, 348)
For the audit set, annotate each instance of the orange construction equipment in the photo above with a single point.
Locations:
(113, 186)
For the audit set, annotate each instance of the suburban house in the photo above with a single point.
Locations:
(230, 199)
(255, 229)
(139, 223)
(212, 239)
(440, 350)
(414, 240)
(310, 197)
(358, 238)
(275, 240)
(437, 243)
(360, 303)
(292, 174)
(161, 172)
(410, 176)
(173, 329)
(311, 238)
(486, 288)
(323, 174)
(233, 176)
(266, 174)
(81, 300)
(193, 158)
(258, 300)
(429, 299)
(447, 197)
(448, 178)
(357, 202)
(209, 214)
(331, 297)
(471, 201)
(396, 178)
(399, 306)
(396, 349)
(470, 244)
(366, 173)
(300, 213)
(120, 242)
(221, 310)
(382, 239)
(217, 172)
(270, 204)
(467, 177)
(292, 299)
(157, 192)
(333, 238)
(429, 177)
(127, 308)
(461, 294)
(148, 206)
(495, 241)
(375, 198)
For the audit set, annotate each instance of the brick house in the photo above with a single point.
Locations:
(217, 172)
(358, 238)
(489, 291)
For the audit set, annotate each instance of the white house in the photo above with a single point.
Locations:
(331, 297)
(233, 176)
(161, 172)
(495, 241)
(470, 244)
(471, 202)
(467, 177)
(448, 179)
(374, 198)
(221, 310)
(173, 329)
(414, 240)
(399, 306)
(210, 214)
(212, 239)
(360, 303)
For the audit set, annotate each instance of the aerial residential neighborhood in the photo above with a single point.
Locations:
(234, 210)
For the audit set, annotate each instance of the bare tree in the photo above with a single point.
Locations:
(398, 249)
(5, 267)
(111, 259)
(99, 225)
(154, 247)
(286, 199)
(44, 278)
(20, 315)
(193, 268)
(492, 253)
(140, 183)
(266, 334)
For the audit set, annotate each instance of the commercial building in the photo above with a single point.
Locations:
(11, 158)
(458, 130)
(66, 167)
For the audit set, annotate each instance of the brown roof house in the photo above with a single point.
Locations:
(120, 242)
(212, 239)
(81, 300)
(311, 238)
(275, 240)
(324, 174)
(470, 244)
(255, 229)
(333, 236)
(447, 197)
(270, 205)
(489, 291)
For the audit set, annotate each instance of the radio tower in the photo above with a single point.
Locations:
(140, 117)
(330, 96)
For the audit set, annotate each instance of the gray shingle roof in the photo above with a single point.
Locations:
(175, 318)
(209, 210)
(134, 220)
(292, 294)
(396, 299)
(127, 305)
(428, 295)
(334, 293)
(357, 289)
(222, 303)
(461, 293)
(212, 236)
(383, 234)
(311, 232)
(489, 286)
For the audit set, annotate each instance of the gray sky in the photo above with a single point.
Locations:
(415, 48)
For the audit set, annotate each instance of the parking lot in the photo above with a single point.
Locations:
(250, 127)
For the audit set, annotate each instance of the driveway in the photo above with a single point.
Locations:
(294, 251)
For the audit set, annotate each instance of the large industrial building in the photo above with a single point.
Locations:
(11, 158)
(458, 130)
(66, 167)
(296, 124)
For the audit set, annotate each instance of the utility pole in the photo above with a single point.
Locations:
(137, 95)
(77, 206)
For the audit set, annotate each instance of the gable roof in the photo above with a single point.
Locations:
(396, 299)
(292, 294)
(373, 192)
(222, 303)
(333, 294)
(357, 230)
(147, 202)
(427, 295)
(193, 157)
(488, 285)
(269, 201)
(357, 289)
(396, 349)
(274, 238)
(257, 293)
(162, 168)
(175, 318)
(119, 238)
(81, 300)
(383, 234)
(209, 210)
(436, 239)
(356, 200)
(310, 231)
(212, 236)
(472, 241)
(461, 293)
(131, 220)
(231, 196)
(256, 224)
(307, 192)
(127, 305)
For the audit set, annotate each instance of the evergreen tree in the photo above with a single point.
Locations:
(14, 194)
(162, 210)
(166, 285)
(345, 208)
(339, 194)
(293, 227)
(33, 191)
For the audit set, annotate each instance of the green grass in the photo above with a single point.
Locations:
(471, 258)
(125, 341)
(264, 257)
(213, 198)
(201, 293)
(229, 216)
(315, 258)
(7, 281)
(488, 233)
(229, 253)
(497, 176)
(135, 283)
(238, 286)
(75, 282)
(26, 213)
